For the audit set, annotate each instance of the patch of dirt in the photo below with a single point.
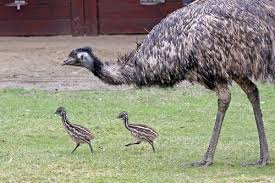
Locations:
(35, 62)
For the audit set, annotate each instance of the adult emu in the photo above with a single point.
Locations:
(210, 42)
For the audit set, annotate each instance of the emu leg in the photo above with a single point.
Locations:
(152, 145)
(77, 145)
(89, 143)
(252, 93)
(224, 98)
(138, 142)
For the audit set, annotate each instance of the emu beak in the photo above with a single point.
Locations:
(56, 112)
(67, 62)
(70, 61)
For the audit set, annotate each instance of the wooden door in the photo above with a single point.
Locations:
(38, 17)
(81, 17)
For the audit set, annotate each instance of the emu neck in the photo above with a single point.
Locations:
(137, 71)
(96, 66)
(65, 120)
(126, 124)
(108, 73)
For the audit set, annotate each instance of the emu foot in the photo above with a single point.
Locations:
(202, 163)
(261, 162)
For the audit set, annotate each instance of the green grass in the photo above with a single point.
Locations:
(35, 148)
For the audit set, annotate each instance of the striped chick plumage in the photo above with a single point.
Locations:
(141, 132)
(78, 133)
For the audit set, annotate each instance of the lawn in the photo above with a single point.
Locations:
(35, 148)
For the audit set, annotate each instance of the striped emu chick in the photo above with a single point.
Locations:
(78, 133)
(139, 131)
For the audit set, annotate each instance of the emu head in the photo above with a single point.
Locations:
(60, 111)
(82, 57)
(123, 115)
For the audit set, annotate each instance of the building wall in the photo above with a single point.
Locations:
(38, 17)
(80, 17)
(129, 16)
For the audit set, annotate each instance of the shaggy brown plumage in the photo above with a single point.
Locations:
(210, 42)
